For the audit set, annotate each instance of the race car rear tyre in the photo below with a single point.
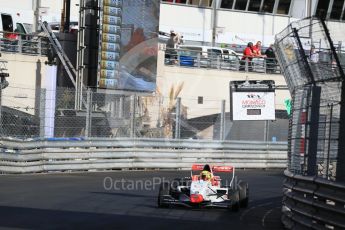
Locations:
(244, 194)
(164, 189)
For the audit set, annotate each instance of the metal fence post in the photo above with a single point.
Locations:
(88, 113)
(20, 44)
(265, 131)
(42, 111)
(39, 46)
(339, 46)
(121, 104)
(313, 130)
(178, 59)
(218, 62)
(178, 119)
(329, 140)
(222, 121)
(133, 106)
(1, 125)
(198, 59)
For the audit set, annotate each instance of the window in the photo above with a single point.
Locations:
(176, 1)
(254, 5)
(214, 53)
(241, 5)
(7, 23)
(284, 7)
(205, 3)
(268, 6)
(227, 4)
(322, 8)
(20, 28)
(336, 9)
(194, 2)
(200, 100)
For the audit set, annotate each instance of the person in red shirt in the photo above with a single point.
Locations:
(247, 57)
(257, 49)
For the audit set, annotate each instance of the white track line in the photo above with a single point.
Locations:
(266, 214)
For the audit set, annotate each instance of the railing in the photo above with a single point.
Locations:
(19, 156)
(228, 61)
(23, 43)
(312, 202)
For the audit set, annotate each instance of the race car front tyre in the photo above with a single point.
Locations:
(244, 194)
(235, 198)
(236, 204)
(164, 189)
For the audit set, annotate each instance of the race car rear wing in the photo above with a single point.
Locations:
(215, 168)
(198, 167)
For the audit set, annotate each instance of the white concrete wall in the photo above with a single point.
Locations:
(196, 24)
(16, 4)
(27, 73)
(26, 10)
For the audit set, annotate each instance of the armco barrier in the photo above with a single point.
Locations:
(313, 203)
(18, 156)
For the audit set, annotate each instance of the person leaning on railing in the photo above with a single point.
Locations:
(270, 60)
(247, 57)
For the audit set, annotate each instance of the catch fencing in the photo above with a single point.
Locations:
(313, 203)
(314, 71)
(18, 156)
(39, 113)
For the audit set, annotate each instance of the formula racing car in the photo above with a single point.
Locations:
(204, 189)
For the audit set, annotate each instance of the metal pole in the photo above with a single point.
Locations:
(178, 118)
(133, 105)
(80, 56)
(329, 139)
(88, 113)
(67, 16)
(36, 8)
(222, 121)
(313, 130)
(214, 22)
(121, 104)
(265, 131)
(1, 127)
(42, 112)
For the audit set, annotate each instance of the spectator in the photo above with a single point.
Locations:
(170, 52)
(179, 39)
(314, 56)
(257, 49)
(270, 60)
(247, 57)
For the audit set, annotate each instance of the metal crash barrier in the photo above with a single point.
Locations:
(18, 156)
(313, 202)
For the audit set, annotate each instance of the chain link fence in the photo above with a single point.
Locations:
(40, 113)
(314, 73)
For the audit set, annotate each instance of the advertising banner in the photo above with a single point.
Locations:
(253, 106)
(128, 45)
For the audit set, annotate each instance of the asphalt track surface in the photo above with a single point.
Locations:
(120, 200)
